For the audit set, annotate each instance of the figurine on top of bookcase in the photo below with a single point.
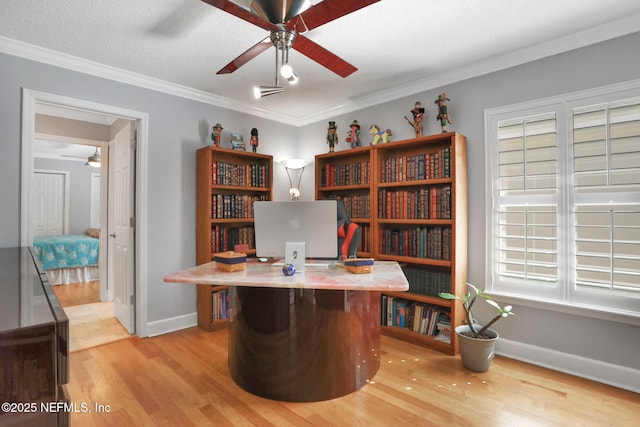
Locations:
(216, 134)
(237, 141)
(254, 141)
(379, 136)
(332, 137)
(353, 137)
(443, 115)
(418, 115)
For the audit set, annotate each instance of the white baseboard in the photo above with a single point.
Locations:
(606, 373)
(171, 324)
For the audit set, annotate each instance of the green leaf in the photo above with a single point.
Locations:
(493, 303)
(476, 290)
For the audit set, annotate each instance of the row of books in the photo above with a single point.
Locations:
(418, 242)
(225, 238)
(220, 305)
(423, 203)
(365, 241)
(345, 174)
(418, 167)
(416, 316)
(253, 175)
(357, 206)
(234, 206)
(427, 282)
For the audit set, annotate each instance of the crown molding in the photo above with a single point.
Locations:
(604, 32)
(607, 31)
(63, 60)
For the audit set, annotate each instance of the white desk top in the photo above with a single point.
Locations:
(386, 276)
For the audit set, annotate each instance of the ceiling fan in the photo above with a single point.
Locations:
(93, 160)
(286, 20)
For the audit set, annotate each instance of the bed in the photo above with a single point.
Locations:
(69, 258)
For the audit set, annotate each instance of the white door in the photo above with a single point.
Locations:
(121, 230)
(49, 204)
(94, 213)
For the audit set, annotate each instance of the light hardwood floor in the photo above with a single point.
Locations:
(91, 322)
(182, 379)
(77, 293)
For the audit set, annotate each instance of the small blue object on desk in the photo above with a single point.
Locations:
(288, 270)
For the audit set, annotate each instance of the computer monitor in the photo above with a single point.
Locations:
(307, 228)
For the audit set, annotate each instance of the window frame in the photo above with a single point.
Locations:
(565, 297)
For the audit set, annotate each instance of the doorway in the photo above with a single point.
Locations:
(33, 102)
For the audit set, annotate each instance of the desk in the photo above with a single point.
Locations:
(307, 337)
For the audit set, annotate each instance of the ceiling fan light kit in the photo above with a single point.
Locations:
(262, 91)
(94, 160)
(287, 20)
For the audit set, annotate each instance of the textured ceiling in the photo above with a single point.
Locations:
(400, 46)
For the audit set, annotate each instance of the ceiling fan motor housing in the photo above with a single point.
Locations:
(279, 11)
(283, 38)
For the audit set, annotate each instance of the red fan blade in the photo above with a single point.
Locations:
(241, 13)
(247, 56)
(323, 57)
(324, 12)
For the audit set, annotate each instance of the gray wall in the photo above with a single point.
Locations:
(179, 126)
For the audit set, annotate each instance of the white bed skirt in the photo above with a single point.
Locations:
(65, 276)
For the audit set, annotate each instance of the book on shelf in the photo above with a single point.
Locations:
(239, 175)
(234, 206)
(417, 167)
(418, 242)
(422, 203)
(355, 173)
(423, 281)
(356, 205)
(422, 318)
(226, 238)
(219, 305)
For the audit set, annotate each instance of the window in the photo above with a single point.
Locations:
(564, 180)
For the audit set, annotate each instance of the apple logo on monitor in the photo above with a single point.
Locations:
(294, 223)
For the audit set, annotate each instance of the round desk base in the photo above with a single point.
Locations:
(303, 345)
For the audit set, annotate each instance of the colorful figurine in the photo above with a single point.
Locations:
(332, 137)
(443, 116)
(379, 136)
(216, 134)
(254, 140)
(418, 115)
(354, 134)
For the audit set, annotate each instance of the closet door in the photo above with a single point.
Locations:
(50, 193)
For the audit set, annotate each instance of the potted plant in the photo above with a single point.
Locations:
(477, 342)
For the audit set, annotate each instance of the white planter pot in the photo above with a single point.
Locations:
(476, 353)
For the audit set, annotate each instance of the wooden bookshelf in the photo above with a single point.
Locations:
(228, 182)
(417, 192)
(347, 175)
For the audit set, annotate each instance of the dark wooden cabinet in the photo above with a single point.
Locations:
(34, 345)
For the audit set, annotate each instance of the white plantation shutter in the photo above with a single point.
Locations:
(606, 147)
(565, 214)
(527, 238)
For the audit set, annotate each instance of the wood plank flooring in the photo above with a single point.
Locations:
(182, 379)
(91, 322)
(77, 293)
